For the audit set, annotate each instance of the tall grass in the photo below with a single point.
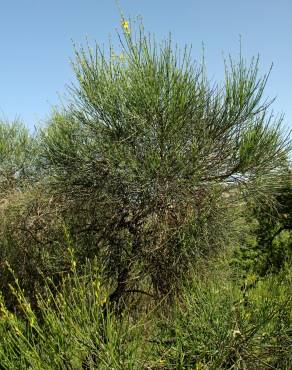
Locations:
(213, 324)
(217, 324)
(72, 329)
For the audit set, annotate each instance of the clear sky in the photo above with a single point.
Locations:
(36, 42)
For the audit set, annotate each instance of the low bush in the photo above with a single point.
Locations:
(219, 325)
(213, 324)
(71, 329)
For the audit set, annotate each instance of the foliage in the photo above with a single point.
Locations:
(274, 236)
(112, 215)
(266, 247)
(32, 239)
(213, 325)
(150, 152)
(71, 330)
(218, 325)
(18, 152)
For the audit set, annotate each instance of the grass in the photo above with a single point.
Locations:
(213, 324)
(220, 325)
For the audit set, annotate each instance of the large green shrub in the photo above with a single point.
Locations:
(150, 153)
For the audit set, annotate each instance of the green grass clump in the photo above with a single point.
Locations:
(71, 329)
(217, 324)
(213, 324)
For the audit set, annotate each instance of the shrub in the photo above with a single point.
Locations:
(213, 324)
(32, 239)
(218, 325)
(71, 329)
(17, 156)
(266, 246)
(151, 153)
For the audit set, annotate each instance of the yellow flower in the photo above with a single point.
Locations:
(236, 333)
(247, 315)
(251, 279)
(17, 331)
(199, 366)
(32, 321)
(122, 57)
(73, 266)
(125, 25)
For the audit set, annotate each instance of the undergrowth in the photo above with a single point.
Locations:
(213, 324)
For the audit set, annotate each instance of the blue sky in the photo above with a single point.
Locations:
(36, 43)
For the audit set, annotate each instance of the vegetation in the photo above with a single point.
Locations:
(266, 247)
(213, 325)
(148, 225)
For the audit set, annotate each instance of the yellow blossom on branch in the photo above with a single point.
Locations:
(125, 25)
(122, 57)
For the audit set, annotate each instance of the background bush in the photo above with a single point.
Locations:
(266, 244)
